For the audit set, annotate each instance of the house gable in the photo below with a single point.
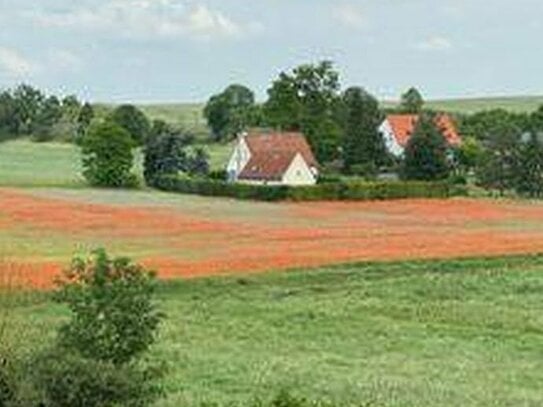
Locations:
(238, 160)
(299, 173)
(391, 142)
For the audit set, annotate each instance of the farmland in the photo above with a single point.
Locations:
(403, 334)
(185, 236)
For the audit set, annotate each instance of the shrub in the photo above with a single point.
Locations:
(113, 316)
(66, 379)
(107, 156)
(320, 192)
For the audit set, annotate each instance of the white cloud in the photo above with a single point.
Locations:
(434, 44)
(146, 19)
(350, 15)
(14, 64)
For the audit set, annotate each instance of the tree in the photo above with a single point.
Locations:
(84, 119)
(307, 100)
(469, 155)
(481, 125)
(9, 123)
(168, 154)
(230, 112)
(496, 168)
(426, 152)
(107, 156)
(536, 120)
(28, 102)
(71, 107)
(164, 155)
(133, 121)
(412, 102)
(198, 162)
(529, 167)
(363, 145)
(48, 115)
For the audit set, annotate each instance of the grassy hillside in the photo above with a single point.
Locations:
(459, 333)
(519, 104)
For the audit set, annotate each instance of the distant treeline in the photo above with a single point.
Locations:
(28, 111)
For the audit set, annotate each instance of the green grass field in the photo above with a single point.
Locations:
(27, 164)
(457, 333)
(521, 104)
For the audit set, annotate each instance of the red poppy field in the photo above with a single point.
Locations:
(182, 236)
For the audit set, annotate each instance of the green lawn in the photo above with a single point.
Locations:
(457, 333)
(24, 163)
(27, 164)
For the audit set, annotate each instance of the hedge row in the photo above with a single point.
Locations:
(320, 192)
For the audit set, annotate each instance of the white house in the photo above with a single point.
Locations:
(398, 128)
(274, 158)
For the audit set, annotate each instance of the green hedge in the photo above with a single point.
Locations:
(321, 192)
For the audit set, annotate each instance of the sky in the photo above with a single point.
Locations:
(186, 50)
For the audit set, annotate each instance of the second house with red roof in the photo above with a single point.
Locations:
(397, 130)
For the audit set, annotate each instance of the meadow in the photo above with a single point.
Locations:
(452, 333)
(24, 163)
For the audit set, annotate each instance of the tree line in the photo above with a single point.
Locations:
(28, 111)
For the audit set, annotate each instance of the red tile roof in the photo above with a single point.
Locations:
(272, 154)
(403, 126)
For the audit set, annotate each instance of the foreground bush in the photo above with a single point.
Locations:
(97, 358)
(114, 318)
(66, 379)
(321, 192)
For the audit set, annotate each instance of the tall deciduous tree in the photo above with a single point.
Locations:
(496, 169)
(107, 156)
(363, 145)
(84, 119)
(426, 152)
(230, 112)
(47, 116)
(9, 124)
(529, 166)
(164, 154)
(307, 99)
(133, 120)
(29, 101)
(412, 102)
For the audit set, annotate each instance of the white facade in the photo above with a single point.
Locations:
(239, 159)
(391, 143)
